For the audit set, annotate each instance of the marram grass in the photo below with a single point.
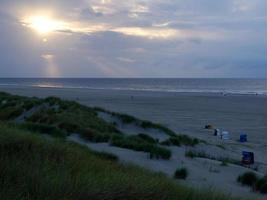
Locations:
(36, 167)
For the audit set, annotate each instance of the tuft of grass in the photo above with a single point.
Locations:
(224, 163)
(137, 143)
(224, 160)
(181, 173)
(147, 124)
(221, 146)
(95, 136)
(127, 119)
(147, 138)
(191, 154)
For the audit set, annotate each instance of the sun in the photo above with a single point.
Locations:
(44, 24)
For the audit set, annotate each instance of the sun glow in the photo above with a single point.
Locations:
(44, 24)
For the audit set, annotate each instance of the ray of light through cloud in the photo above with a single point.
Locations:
(152, 38)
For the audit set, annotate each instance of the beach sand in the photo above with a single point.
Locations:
(186, 113)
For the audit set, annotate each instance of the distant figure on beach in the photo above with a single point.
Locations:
(208, 126)
(216, 132)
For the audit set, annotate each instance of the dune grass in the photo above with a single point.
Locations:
(138, 143)
(127, 119)
(33, 167)
(253, 180)
(179, 140)
(56, 117)
(44, 129)
(224, 160)
(71, 117)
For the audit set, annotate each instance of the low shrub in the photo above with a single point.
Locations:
(252, 180)
(181, 173)
(248, 178)
(261, 185)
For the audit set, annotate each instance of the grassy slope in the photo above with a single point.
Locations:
(33, 167)
(59, 118)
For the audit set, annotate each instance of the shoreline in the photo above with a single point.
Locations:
(163, 91)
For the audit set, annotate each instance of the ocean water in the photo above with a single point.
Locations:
(185, 113)
(228, 86)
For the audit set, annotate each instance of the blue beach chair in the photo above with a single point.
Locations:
(243, 138)
(248, 158)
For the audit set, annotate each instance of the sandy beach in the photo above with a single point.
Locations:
(185, 113)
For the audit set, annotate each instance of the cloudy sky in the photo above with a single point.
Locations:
(133, 38)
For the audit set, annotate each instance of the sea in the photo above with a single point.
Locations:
(182, 85)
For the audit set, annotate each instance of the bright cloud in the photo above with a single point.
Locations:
(149, 38)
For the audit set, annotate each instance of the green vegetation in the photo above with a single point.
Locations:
(176, 140)
(147, 138)
(95, 136)
(43, 128)
(181, 173)
(138, 143)
(33, 167)
(220, 146)
(56, 117)
(224, 163)
(147, 124)
(191, 154)
(261, 185)
(179, 140)
(127, 119)
(60, 118)
(252, 180)
(224, 160)
(10, 112)
(248, 178)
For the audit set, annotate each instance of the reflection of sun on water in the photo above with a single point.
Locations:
(44, 25)
(51, 69)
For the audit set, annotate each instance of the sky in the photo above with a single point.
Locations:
(133, 38)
